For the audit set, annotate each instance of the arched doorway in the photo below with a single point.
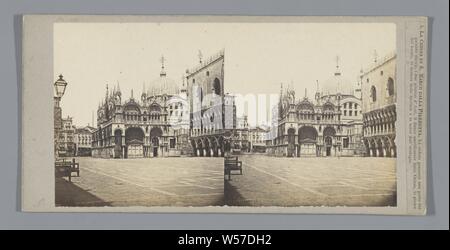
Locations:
(291, 143)
(387, 147)
(307, 138)
(216, 146)
(207, 148)
(155, 146)
(200, 148)
(134, 140)
(194, 148)
(227, 146)
(155, 138)
(328, 135)
(328, 145)
(221, 147)
(118, 144)
(380, 148)
(373, 148)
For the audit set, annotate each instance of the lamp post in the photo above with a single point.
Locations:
(59, 89)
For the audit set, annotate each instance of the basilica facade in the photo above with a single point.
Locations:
(328, 125)
(154, 125)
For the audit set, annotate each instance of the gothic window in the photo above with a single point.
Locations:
(216, 86)
(390, 86)
(373, 94)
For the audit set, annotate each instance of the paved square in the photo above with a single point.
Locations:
(344, 181)
(144, 182)
(266, 181)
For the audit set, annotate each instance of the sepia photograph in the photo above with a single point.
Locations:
(234, 114)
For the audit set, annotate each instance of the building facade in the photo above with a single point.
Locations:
(257, 139)
(241, 140)
(83, 141)
(212, 111)
(379, 97)
(66, 138)
(329, 125)
(154, 126)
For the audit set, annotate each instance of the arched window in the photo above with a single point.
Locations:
(373, 93)
(390, 86)
(216, 86)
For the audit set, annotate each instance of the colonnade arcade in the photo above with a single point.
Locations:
(210, 146)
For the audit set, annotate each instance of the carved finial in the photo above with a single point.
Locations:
(162, 60)
(375, 56)
(337, 73)
(200, 56)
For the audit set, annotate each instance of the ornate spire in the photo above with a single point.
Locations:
(163, 72)
(118, 87)
(200, 56)
(317, 91)
(337, 73)
(375, 56)
(132, 94)
(281, 91)
(107, 93)
(306, 93)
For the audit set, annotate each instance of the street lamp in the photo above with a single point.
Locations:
(59, 89)
(60, 86)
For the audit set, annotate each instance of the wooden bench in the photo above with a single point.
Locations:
(232, 163)
(64, 168)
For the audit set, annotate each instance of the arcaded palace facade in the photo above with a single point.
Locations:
(156, 125)
(212, 111)
(379, 97)
(329, 125)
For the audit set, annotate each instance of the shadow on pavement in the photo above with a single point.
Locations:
(232, 195)
(67, 194)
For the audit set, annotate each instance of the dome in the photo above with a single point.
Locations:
(338, 84)
(163, 85)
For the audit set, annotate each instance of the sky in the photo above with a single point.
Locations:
(258, 56)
